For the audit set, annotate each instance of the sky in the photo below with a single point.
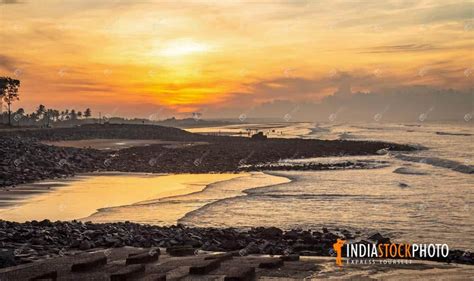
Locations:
(172, 58)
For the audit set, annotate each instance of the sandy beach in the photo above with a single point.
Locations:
(68, 200)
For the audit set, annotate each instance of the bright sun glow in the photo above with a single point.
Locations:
(183, 47)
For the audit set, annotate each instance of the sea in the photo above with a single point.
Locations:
(425, 196)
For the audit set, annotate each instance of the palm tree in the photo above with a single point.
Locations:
(41, 111)
(73, 114)
(49, 115)
(87, 113)
(56, 115)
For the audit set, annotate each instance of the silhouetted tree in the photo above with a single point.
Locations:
(9, 93)
(41, 113)
(87, 113)
(19, 114)
(56, 115)
(73, 114)
(49, 116)
(20, 111)
(41, 109)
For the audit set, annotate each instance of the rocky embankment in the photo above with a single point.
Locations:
(228, 154)
(23, 159)
(31, 241)
(106, 131)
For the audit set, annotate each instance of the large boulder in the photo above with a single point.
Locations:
(259, 136)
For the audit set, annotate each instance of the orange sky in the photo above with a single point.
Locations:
(136, 58)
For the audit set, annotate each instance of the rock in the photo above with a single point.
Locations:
(128, 272)
(377, 237)
(204, 267)
(270, 263)
(259, 136)
(290, 258)
(66, 236)
(7, 258)
(230, 245)
(85, 245)
(89, 263)
(271, 232)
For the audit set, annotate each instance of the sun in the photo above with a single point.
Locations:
(183, 47)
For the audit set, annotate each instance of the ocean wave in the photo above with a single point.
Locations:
(345, 136)
(438, 162)
(409, 171)
(243, 193)
(318, 130)
(304, 196)
(181, 205)
(454, 134)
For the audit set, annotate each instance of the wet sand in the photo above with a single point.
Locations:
(116, 144)
(89, 193)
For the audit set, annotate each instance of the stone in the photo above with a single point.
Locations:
(85, 245)
(271, 232)
(240, 273)
(259, 136)
(89, 263)
(181, 251)
(290, 258)
(377, 237)
(128, 272)
(7, 258)
(270, 263)
(143, 258)
(50, 275)
(221, 257)
(205, 267)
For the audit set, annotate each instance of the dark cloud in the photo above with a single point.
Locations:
(10, 2)
(397, 104)
(306, 99)
(458, 11)
(8, 63)
(398, 17)
(401, 48)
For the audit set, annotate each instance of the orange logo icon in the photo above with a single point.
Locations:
(338, 248)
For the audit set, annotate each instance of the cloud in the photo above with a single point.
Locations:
(10, 2)
(8, 63)
(458, 11)
(401, 48)
(397, 104)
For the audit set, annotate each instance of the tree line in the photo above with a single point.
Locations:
(44, 116)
